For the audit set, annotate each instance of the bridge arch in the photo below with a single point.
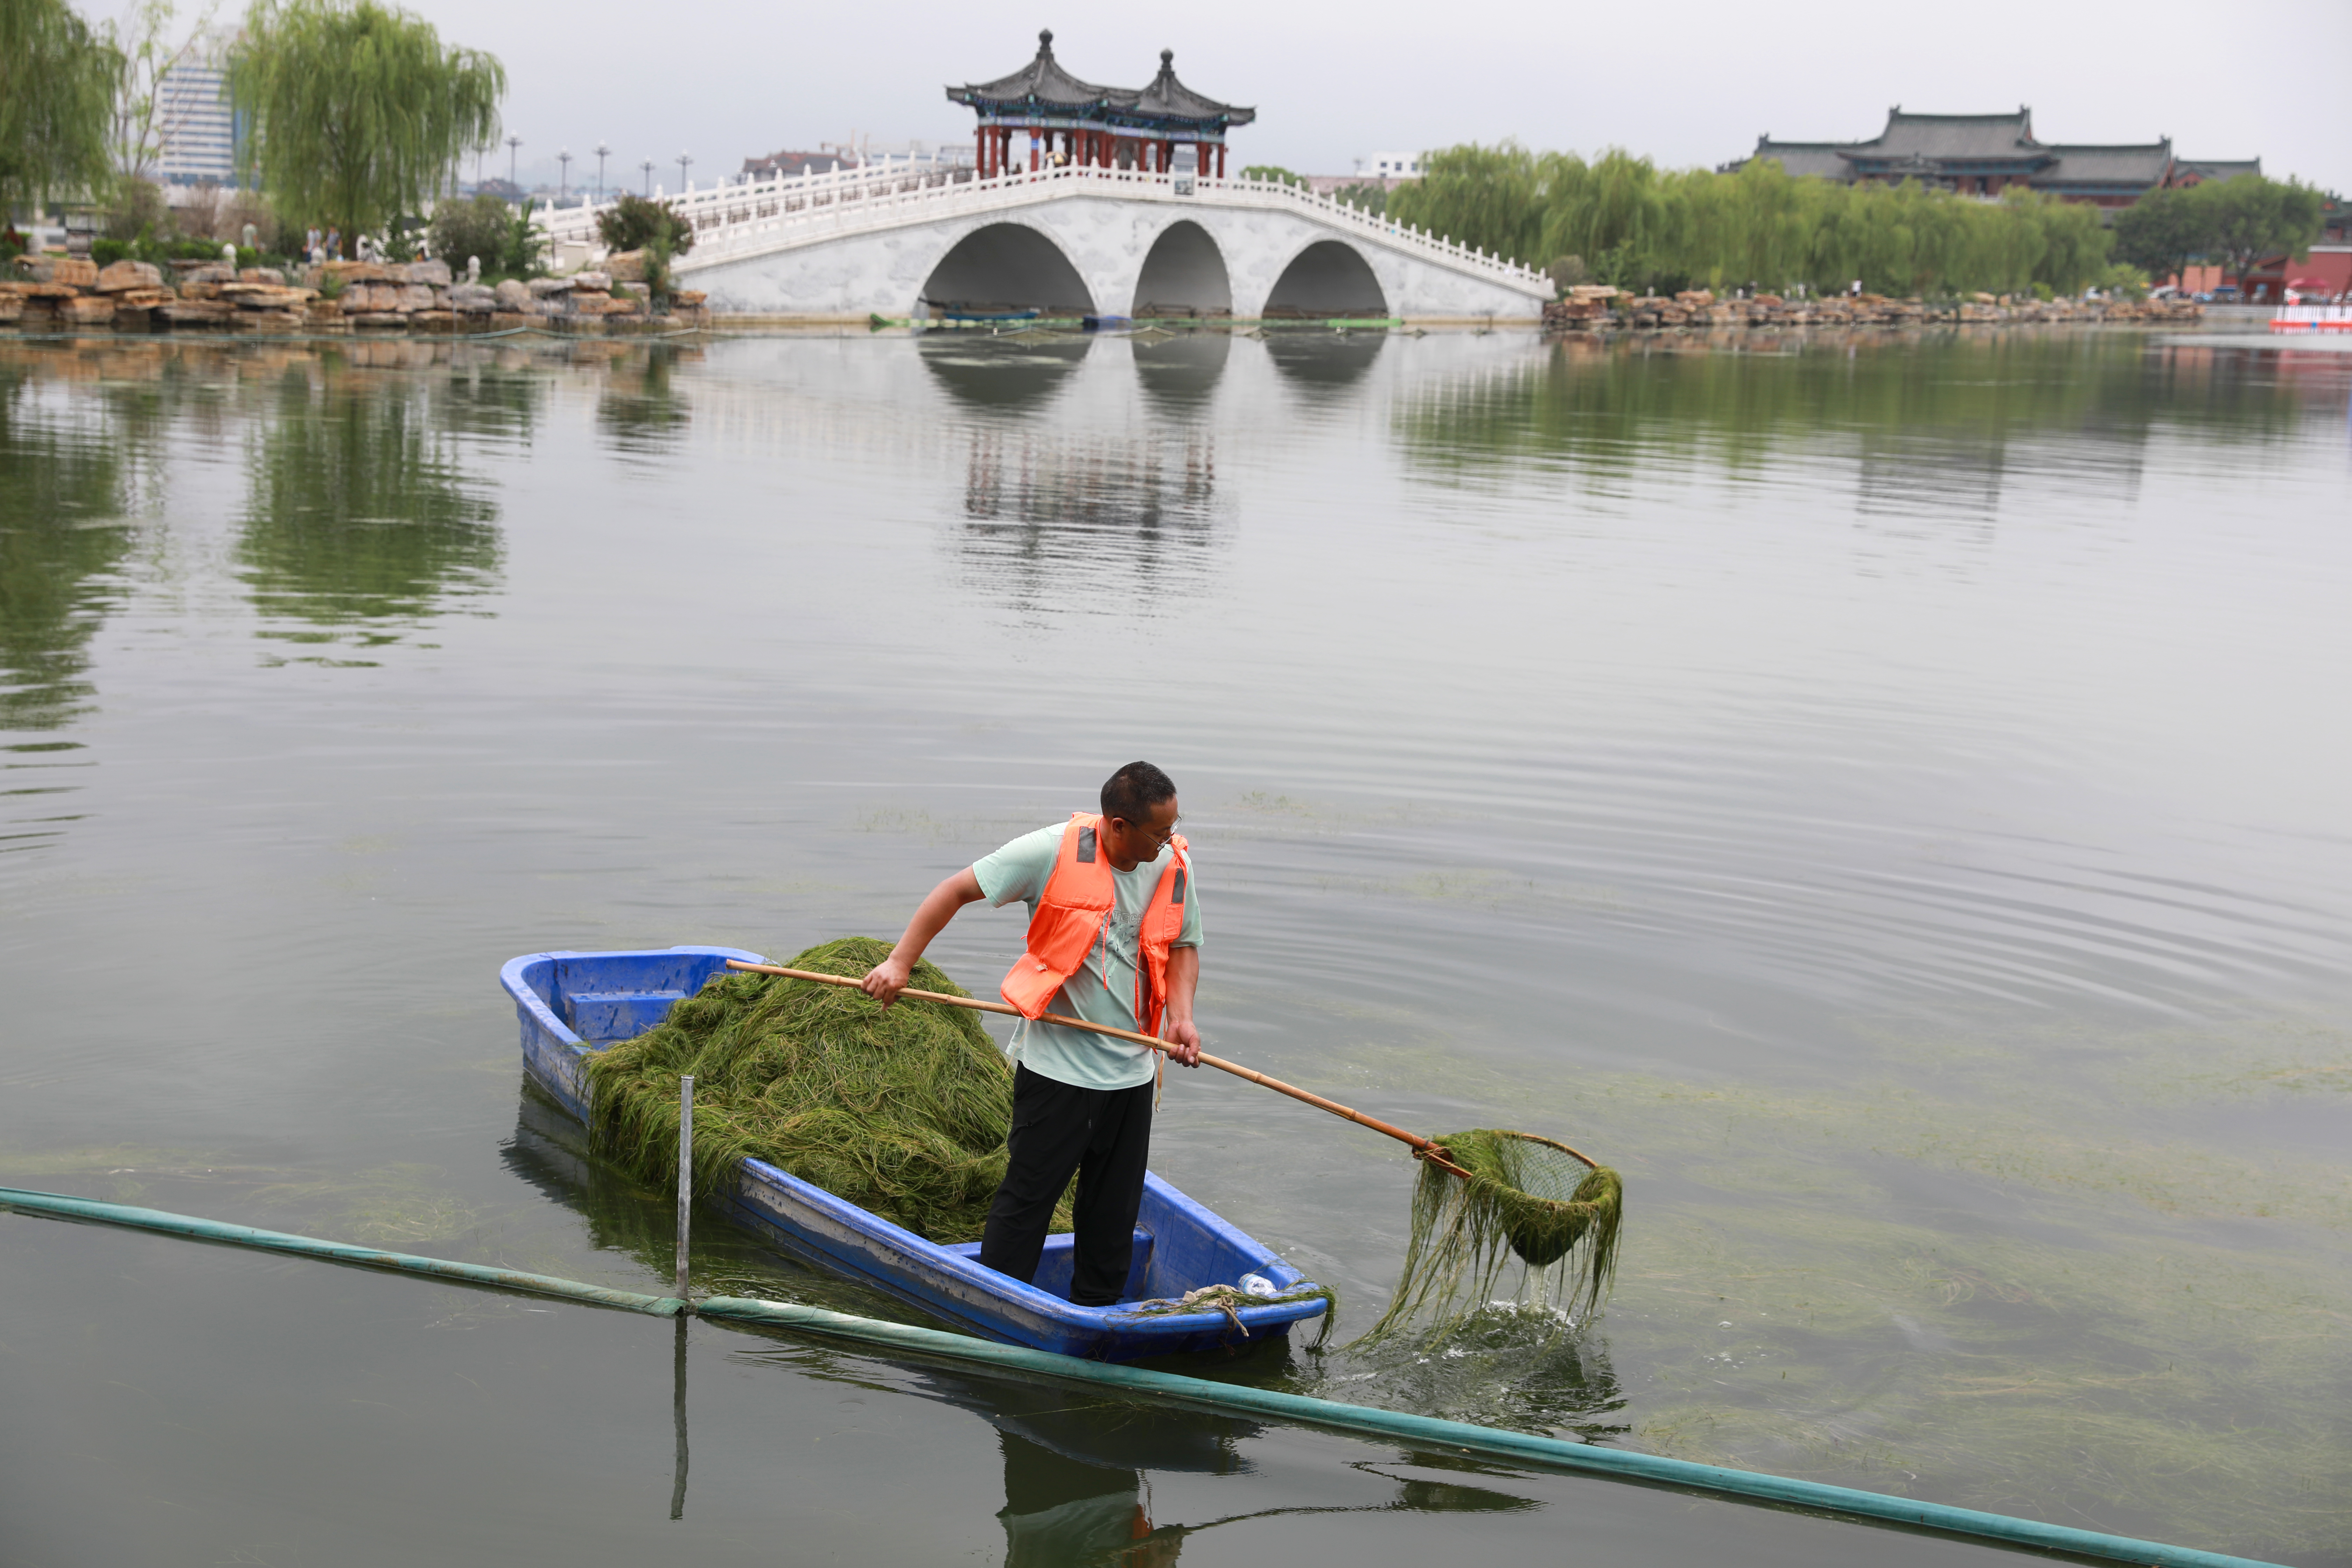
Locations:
(1008, 266)
(1329, 277)
(1183, 275)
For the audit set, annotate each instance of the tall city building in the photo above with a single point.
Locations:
(199, 131)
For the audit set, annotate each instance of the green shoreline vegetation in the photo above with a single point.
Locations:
(1620, 219)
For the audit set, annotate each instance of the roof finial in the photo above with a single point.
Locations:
(1167, 59)
(1045, 40)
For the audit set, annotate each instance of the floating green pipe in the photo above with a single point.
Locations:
(64, 1207)
(1419, 1431)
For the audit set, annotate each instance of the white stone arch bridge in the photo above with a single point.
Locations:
(907, 238)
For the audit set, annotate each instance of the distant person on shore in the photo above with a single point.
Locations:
(311, 245)
(1853, 289)
(334, 243)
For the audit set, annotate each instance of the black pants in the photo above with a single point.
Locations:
(1103, 1134)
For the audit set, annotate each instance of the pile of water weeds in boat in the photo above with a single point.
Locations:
(903, 1112)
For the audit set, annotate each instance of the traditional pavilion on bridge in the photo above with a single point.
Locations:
(1067, 121)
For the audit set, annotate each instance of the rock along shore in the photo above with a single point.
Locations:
(71, 294)
(1598, 308)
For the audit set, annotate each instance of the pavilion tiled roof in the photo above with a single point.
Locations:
(1169, 99)
(1043, 85)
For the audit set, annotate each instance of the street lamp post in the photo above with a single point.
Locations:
(648, 167)
(683, 159)
(601, 151)
(513, 143)
(563, 188)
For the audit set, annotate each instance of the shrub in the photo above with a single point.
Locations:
(138, 209)
(475, 228)
(634, 223)
(2124, 281)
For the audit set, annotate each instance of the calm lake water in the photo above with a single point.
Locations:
(1888, 796)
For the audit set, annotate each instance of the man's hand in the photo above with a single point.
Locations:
(1184, 1042)
(886, 979)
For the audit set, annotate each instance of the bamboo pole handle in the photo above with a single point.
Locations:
(1422, 1148)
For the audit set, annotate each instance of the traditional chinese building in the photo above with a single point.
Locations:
(1042, 114)
(1984, 154)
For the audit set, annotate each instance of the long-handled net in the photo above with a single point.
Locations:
(1485, 1197)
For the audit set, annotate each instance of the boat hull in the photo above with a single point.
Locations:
(571, 1005)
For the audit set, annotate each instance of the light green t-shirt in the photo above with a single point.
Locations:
(1103, 989)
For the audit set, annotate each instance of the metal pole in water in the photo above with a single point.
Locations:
(685, 1173)
(678, 1413)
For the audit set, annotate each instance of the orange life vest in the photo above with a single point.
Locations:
(1077, 900)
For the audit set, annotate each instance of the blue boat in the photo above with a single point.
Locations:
(573, 1003)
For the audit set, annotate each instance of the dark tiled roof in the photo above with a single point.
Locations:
(1168, 98)
(796, 162)
(2138, 167)
(1802, 158)
(2219, 169)
(1042, 83)
(1972, 138)
(1930, 146)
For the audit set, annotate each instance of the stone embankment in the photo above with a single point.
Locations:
(68, 294)
(1594, 308)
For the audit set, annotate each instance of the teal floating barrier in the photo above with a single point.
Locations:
(58, 1206)
(1424, 1431)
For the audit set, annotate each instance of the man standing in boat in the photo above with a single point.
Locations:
(1115, 939)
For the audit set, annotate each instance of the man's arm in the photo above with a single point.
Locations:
(887, 978)
(1177, 1028)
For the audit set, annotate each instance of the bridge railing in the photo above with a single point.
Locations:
(731, 221)
(730, 202)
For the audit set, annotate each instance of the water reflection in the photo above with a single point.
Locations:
(1323, 364)
(359, 521)
(998, 375)
(63, 487)
(1932, 424)
(642, 410)
(1179, 374)
(1073, 521)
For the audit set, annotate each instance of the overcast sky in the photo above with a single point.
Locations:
(1689, 84)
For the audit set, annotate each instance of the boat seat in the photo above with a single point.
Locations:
(609, 1015)
(1053, 1266)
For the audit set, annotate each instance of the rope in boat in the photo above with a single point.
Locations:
(1426, 1432)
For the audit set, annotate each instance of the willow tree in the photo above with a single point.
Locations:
(357, 111)
(57, 102)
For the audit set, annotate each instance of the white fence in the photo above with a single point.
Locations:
(2313, 319)
(750, 217)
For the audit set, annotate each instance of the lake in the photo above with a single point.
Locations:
(1884, 793)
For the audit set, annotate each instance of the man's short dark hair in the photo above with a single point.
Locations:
(1131, 793)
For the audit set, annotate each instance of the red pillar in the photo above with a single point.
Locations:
(980, 150)
(1036, 147)
(1220, 160)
